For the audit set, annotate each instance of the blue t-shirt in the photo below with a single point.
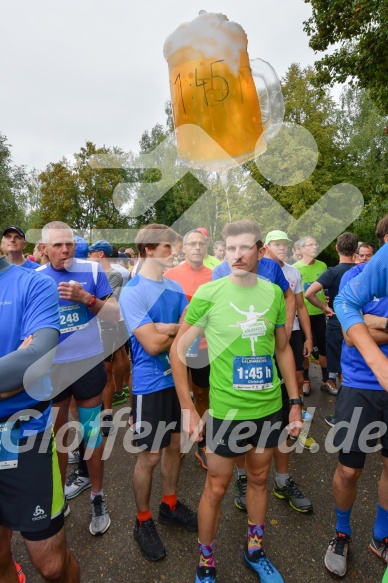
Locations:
(28, 302)
(30, 264)
(143, 301)
(352, 292)
(80, 333)
(267, 269)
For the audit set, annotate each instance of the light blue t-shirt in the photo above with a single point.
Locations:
(267, 269)
(80, 333)
(354, 290)
(143, 301)
(28, 302)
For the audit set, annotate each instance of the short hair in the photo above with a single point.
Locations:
(304, 239)
(38, 245)
(242, 227)
(347, 244)
(218, 243)
(151, 236)
(296, 245)
(54, 225)
(115, 252)
(366, 244)
(382, 229)
(186, 235)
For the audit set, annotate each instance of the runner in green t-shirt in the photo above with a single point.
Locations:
(243, 317)
(310, 269)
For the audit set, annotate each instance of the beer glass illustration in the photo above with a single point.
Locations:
(214, 88)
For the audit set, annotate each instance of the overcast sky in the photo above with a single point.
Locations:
(94, 69)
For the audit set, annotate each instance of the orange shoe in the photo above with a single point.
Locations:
(20, 572)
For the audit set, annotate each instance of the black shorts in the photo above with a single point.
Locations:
(200, 368)
(318, 329)
(155, 417)
(296, 343)
(88, 384)
(372, 408)
(234, 438)
(110, 341)
(31, 495)
(334, 339)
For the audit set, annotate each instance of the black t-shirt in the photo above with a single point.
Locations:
(330, 280)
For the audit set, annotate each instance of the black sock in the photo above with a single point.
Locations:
(306, 374)
(325, 374)
(82, 467)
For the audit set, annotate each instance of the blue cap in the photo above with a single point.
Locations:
(102, 245)
(81, 248)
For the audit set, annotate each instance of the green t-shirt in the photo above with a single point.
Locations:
(239, 325)
(211, 262)
(310, 274)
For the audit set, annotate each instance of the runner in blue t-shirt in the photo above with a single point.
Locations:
(152, 307)
(31, 494)
(13, 244)
(79, 372)
(362, 401)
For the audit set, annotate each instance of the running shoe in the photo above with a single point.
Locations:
(336, 554)
(306, 388)
(262, 566)
(329, 387)
(308, 442)
(182, 515)
(315, 353)
(150, 543)
(100, 516)
(240, 493)
(379, 547)
(330, 420)
(119, 398)
(73, 456)
(126, 390)
(75, 484)
(293, 495)
(206, 575)
(200, 454)
(306, 416)
(20, 572)
(66, 509)
(107, 425)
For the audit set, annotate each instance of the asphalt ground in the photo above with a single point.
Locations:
(294, 542)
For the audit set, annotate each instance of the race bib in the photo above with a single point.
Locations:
(164, 360)
(9, 441)
(252, 373)
(73, 318)
(193, 350)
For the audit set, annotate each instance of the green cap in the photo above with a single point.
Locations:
(276, 236)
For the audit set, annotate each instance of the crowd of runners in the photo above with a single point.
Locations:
(206, 349)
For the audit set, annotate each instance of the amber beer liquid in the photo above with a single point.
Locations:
(206, 93)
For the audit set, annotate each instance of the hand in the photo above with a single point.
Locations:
(328, 311)
(26, 342)
(73, 292)
(295, 419)
(375, 322)
(192, 424)
(307, 347)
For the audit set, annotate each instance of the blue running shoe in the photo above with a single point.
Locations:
(206, 575)
(259, 564)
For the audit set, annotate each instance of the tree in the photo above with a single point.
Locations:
(13, 183)
(80, 194)
(359, 31)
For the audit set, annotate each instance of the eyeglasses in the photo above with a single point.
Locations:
(311, 245)
(195, 244)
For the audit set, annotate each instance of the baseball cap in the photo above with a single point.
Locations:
(14, 228)
(203, 231)
(276, 236)
(102, 245)
(81, 248)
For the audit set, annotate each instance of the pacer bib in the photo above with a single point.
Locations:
(252, 373)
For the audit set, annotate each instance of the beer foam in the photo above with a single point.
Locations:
(210, 35)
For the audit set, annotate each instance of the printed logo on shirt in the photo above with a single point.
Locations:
(254, 325)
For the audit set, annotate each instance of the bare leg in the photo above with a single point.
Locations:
(7, 567)
(142, 478)
(383, 485)
(53, 559)
(345, 486)
(170, 464)
(257, 467)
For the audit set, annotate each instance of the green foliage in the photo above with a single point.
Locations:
(81, 195)
(13, 182)
(358, 29)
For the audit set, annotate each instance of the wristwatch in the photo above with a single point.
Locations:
(297, 401)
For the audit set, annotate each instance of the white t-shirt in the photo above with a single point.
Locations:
(294, 278)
